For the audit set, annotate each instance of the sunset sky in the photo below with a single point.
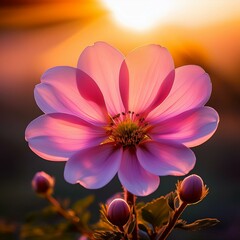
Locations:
(36, 36)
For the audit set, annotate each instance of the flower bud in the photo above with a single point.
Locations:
(192, 189)
(42, 183)
(118, 212)
(83, 238)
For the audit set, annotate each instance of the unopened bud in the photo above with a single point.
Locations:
(118, 212)
(192, 189)
(83, 238)
(42, 183)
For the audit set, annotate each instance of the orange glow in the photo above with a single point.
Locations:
(44, 13)
(37, 36)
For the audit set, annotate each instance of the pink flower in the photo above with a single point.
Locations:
(136, 116)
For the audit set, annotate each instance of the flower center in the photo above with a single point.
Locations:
(127, 129)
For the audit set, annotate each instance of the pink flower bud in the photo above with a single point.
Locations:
(42, 183)
(83, 238)
(118, 212)
(192, 189)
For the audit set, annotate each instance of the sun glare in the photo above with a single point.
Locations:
(138, 14)
(142, 15)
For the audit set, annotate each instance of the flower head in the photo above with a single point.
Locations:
(192, 189)
(136, 116)
(118, 212)
(42, 183)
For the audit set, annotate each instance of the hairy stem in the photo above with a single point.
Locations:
(69, 215)
(164, 234)
(131, 200)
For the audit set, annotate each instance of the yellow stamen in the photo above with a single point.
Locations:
(127, 130)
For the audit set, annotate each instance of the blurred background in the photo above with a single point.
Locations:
(36, 35)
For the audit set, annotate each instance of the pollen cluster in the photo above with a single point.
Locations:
(127, 129)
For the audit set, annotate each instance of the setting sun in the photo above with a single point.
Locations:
(138, 15)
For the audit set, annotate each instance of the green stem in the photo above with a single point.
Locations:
(131, 200)
(69, 215)
(164, 234)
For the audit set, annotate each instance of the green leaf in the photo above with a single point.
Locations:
(131, 227)
(142, 227)
(198, 224)
(103, 223)
(47, 224)
(156, 212)
(61, 230)
(139, 205)
(81, 205)
(171, 199)
(44, 214)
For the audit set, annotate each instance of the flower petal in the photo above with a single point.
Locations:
(124, 85)
(93, 167)
(102, 63)
(151, 74)
(58, 136)
(191, 128)
(165, 158)
(134, 177)
(191, 89)
(66, 90)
